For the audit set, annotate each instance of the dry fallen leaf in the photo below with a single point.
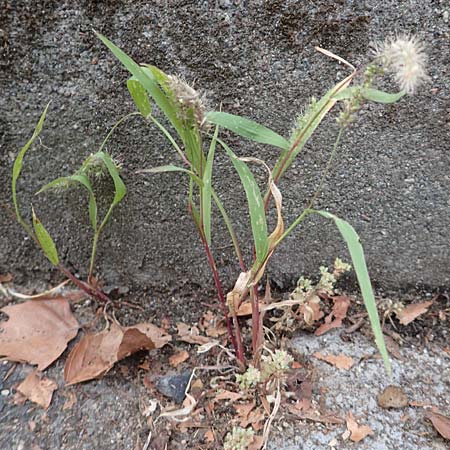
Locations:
(339, 312)
(411, 312)
(358, 432)
(178, 358)
(227, 395)
(340, 361)
(392, 397)
(38, 390)
(37, 331)
(257, 443)
(191, 335)
(209, 436)
(95, 354)
(71, 400)
(440, 422)
(243, 410)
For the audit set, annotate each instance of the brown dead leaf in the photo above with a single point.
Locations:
(338, 313)
(95, 354)
(191, 335)
(243, 410)
(316, 416)
(340, 361)
(227, 395)
(71, 400)
(358, 432)
(392, 347)
(178, 358)
(411, 312)
(440, 422)
(392, 397)
(37, 331)
(38, 390)
(209, 436)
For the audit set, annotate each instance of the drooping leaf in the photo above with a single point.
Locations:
(150, 84)
(172, 168)
(17, 168)
(248, 129)
(140, 97)
(373, 95)
(45, 241)
(207, 179)
(255, 204)
(119, 185)
(82, 179)
(314, 117)
(359, 264)
(37, 331)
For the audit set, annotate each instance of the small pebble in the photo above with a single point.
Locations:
(5, 392)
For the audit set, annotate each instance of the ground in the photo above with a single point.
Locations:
(115, 412)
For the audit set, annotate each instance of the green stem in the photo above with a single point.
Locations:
(94, 251)
(115, 126)
(230, 228)
(170, 139)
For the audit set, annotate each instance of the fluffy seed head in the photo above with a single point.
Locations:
(190, 101)
(405, 57)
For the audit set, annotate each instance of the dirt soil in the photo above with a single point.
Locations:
(113, 412)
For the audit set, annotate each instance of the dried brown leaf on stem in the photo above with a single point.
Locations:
(358, 432)
(96, 353)
(37, 331)
(37, 389)
(411, 312)
(338, 313)
(340, 361)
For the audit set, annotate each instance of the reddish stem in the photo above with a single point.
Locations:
(237, 343)
(85, 287)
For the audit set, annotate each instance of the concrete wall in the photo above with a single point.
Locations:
(391, 179)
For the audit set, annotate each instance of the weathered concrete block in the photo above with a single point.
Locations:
(391, 179)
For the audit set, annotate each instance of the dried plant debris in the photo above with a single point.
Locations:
(37, 331)
(411, 312)
(440, 422)
(37, 389)
(392, 397)
(97, 353)
(358, 432)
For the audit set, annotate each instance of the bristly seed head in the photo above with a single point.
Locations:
(405, 57)
(190, 101)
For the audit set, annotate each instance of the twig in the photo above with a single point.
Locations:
(147, 442)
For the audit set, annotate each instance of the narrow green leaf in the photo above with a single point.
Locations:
(359, 263)
(255, 204)
(140, 97)
(45, 241)
(172, 168)
(247, 128)
(373, 95)
(149, 83)
(82, 179)
(206, 198)
(119, 185)
(17, 168)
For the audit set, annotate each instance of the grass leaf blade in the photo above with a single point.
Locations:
(45, 241)
(140, 97)
(359, 263)
(255, 204)
(248, 129)
(172, 168)
(17, 168)
(207, 186)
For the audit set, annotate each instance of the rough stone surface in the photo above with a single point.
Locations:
(256, 57)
